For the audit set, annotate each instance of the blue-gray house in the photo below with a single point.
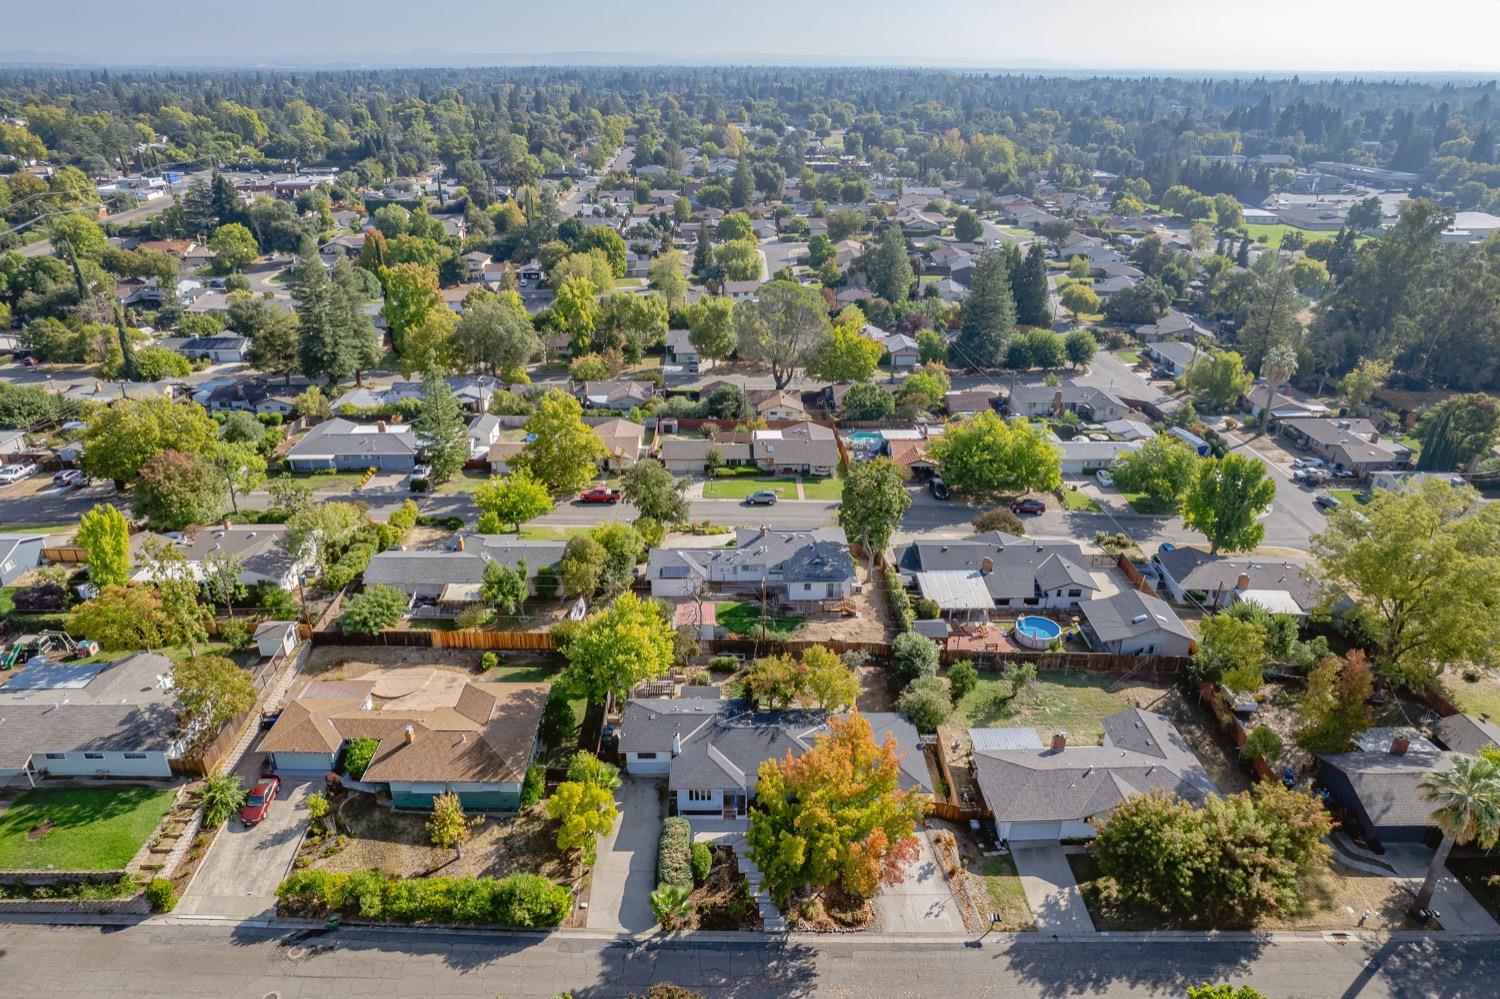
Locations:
(19, 554)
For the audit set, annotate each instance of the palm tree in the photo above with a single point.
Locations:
(1467, 800)
(671, 904)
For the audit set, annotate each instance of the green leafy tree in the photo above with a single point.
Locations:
(926, 702)
(312, 403)
(1423, 564)
(587, 768)
(574, 309)
(448, 825)
(358, 756)
(1079, 299)
(873, 501)
(563, 452)
(373, 611)
(440, 428)
(1231, 651)
(1219, 378)
(120, 439)
(783, 328)
(495, 335)
(932, 347)
(582, 566)
(583, 812)
(515, 499)
(988, 317)
(210, 691)
(985, 454)
(1457, 431)
(835, 816)
(504, 588)
(1262, 744)
(963, 677)
(1029, 288)
(1334, 709)
(1162, 468)
(234, 248)
(827, 680)
(1222, 991)
(104, 537)
(1224, 500)
(966, 227)
(1360, 384)
(121, 618)
(865, 401)
(241, 467)
(656, 492)
(666, 274)
(411, 295)
(913, 656)
(889, 268)
(174, 490)
(220, 796)
(336, 340)
(711, 327)
(847, 355)
(618, 647)
(1080, 347)
(1466, 808)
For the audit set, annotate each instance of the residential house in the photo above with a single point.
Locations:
(966, 402)
(12, 444)
(1286, 402)
(791, 566)
(617, 395)
(1081, 456)
(711, 750)
(622, 442)
(261, 550)
(1464, 733)
(902, 351)
(476, 262)
(484, 433)
(742, 291)
(801, 449)
(911, 457)
(1173, 324)
(88, 719)
(19, 554)
(995, 570)
(680, 350)
(1092, 404)
(1281, 584)
(1130, 430)
(1174, 355)
(1045, 792)
(251, 395)
(437, 732)
(1408, 479)
(502, 453)
(782, 404)
(444, 582)
(350, 446)
(224, 348)
(1377, 784)
(1132, 623)
(689, 455)
(1351, 445)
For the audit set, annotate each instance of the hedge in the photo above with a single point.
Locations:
(674, 853)
(902, 615)
(521, 900)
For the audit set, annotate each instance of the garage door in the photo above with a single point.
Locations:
(1025, 831)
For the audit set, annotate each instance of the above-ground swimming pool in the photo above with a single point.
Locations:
(1037, 632)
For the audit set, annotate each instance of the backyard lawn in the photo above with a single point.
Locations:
(1069, 702)
(1482, 697)
(80, 829)
(743, 620)
(1079, 501)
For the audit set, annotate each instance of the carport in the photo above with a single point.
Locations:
(957, 592)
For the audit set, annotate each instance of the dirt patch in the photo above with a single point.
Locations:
(372, 835)
(723, 900)
(334, 662)
(36, 832)
(431, 539)
(1335, 897)
(831, 911)
(862, 619)
(986, 886)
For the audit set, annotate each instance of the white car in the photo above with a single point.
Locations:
(1307, 462)
(15, 473)
(1105, 479)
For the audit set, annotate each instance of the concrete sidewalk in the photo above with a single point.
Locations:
(1051, 890)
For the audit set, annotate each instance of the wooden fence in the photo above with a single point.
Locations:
(1134, 575)
(1089, 662)
(957, 813)
(1231, 723)
(513, 641)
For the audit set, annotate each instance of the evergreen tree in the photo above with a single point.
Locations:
(889, 269)
(703, 257)
(338, 340)
(224, 201)
(988, 318)
(1243, 257)
(128, 369)
(440, 428)
(1029, 289)
(742, 187)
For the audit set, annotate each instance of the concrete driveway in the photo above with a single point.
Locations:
(243, 867)
(1051, 890)
(923, 902)
(625, 875)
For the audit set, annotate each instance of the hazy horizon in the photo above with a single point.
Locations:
(1210, 37)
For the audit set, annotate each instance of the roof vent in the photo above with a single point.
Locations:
(1139, 618)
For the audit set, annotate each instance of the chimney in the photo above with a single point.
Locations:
(676, 744)
(1243, 583)
(460, 542)
(763, 529)
(1057, 403)
(986, 565)
(1399, 745)
(409, 734)
(1059, 741)
(380, 426)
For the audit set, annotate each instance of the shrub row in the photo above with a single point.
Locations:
(902, 615)
(674, 862)
(521, 900)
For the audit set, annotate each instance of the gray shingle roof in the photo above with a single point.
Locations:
(339, 436)
(1131, 614)
(1387, 784)
(1466, 734)
(1018, 565)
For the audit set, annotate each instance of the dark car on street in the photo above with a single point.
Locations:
(1028, 506)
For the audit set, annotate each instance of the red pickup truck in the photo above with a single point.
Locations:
(599, 494)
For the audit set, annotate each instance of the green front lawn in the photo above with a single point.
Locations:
(1141, 503)
(532, 533)
(324, 481)
(465, 482)
(1348, 497)
(8, 598)
(1079, 501)
(1130, 357)
(1069, 702)
(828, 488)
(741, 486)
(92, 828)
(742, 620)
(1003, 891)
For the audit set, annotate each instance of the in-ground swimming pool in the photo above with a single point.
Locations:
(1037, 632)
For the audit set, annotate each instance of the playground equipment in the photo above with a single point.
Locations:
(28, 647)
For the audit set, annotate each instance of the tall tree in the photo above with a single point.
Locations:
(1278, 366)
(210, 691)
(337, 339)
(1218, 378)
(985, 454)
(873, 501)
(783, 328)
(1162, 468)
(1224, 500)
(512, 500)
(666, 276)
(1029, 288)
(104, 537)
(616, 648)
(847, 355)
(1457, 431)
(240, 466)
(1466, 807)
(411, 295)
(1271, 311)
(656, 492)
(274, 347)
(495, 335)
(988, 316)
(889, 268)
(711, 327)
(121, 438)
(835, 817)
(440, 429)
(561, 450)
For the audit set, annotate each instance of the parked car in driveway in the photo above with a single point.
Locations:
(600, 494)
(1028, 506)
(939, 488)
(1105, 479)
(15, 473)
(259, 801)
(69, 477)
(761, 497)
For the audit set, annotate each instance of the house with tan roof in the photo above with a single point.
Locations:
(621, 440)
(436, 731)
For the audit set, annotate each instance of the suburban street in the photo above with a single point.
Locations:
(43, 247)
(170, 958)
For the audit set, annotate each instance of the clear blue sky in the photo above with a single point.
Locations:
(1223, 35)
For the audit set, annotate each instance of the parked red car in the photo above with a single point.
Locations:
(259, 802)
(1028, 506)
(599, 494)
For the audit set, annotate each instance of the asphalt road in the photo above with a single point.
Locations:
(44, 246)
(181, 959)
